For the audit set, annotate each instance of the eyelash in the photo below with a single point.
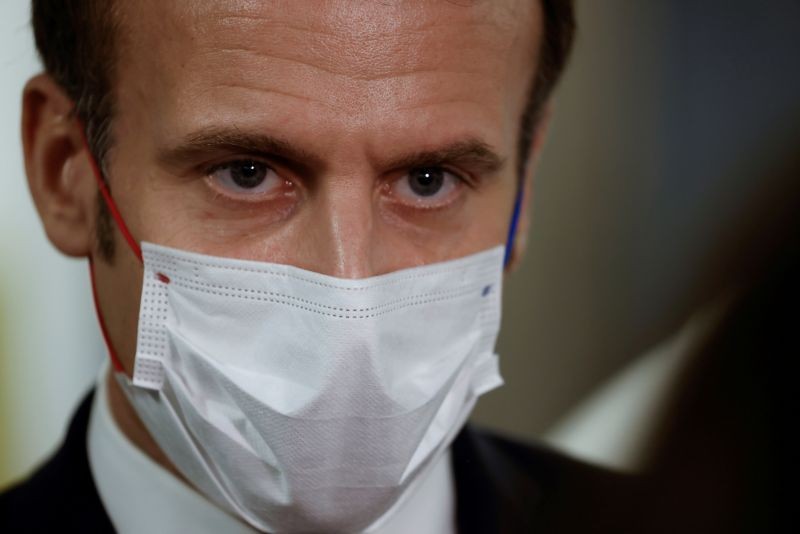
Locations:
(462, 178)
(209, 170)
(225, 192)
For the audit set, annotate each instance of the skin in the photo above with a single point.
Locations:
(340, 99)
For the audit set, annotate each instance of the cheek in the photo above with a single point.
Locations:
(491, 217)
(480, 221)
(119, 286)
(189, 215)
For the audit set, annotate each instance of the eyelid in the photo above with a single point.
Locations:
(228, 161)
(461, 176)
(466, 178)
(420, 203)
(284, 187)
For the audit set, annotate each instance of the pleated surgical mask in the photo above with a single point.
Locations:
(306, 403)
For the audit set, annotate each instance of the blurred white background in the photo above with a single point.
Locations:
(49, 345)
(653, 153)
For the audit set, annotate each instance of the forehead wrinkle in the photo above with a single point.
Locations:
(283, 73)
(344, 15)
(336, 32)
(343, 93)
(406, 92)
(354, 44)
(393, 58)
(424, 47)
(289, 61)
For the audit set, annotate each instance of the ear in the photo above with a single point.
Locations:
(523, 224)
(57, 166)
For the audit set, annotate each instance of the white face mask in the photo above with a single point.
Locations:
(306, 403)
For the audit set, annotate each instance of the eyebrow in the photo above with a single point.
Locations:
(471, 152)
(213, 139)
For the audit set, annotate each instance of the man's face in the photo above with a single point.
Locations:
(348, 137)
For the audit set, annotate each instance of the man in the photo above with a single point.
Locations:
(251, 179)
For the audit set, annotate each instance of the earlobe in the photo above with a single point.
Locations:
(57, 167)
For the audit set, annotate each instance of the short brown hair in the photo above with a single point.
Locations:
(76, 41)
(558, 36)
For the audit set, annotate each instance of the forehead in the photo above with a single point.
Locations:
(354, 62)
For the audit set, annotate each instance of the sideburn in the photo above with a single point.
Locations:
(104, 231)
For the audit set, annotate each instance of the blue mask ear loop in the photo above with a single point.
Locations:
(512, 229)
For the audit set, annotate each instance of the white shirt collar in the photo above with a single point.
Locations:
(141, 496)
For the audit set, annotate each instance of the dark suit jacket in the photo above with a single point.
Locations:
(501, 487)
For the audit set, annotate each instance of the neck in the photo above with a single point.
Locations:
(129, 423)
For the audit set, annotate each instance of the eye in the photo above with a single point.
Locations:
(426, 187)
(243, 178)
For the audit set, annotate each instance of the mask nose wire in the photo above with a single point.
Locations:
(134, 246)
(512, 228)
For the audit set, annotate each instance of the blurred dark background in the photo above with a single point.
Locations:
(667, 125)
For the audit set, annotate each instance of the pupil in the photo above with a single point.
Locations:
(248, 174)
(426, 182)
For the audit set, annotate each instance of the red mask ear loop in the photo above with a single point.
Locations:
(115, 361)
(112, 206)
(137, 251)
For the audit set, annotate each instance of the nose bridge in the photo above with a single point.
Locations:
(344, 224)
